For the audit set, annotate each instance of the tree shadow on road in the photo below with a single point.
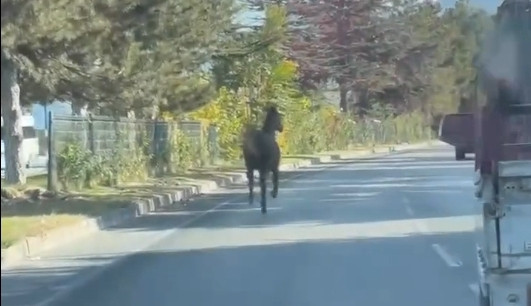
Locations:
(378, 271)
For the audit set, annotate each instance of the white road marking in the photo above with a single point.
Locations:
(446, 257)
(420, 225)
(474, 288)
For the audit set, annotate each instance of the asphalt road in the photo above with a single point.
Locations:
(393, 231)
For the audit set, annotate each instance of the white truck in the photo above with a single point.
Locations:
(503, 162)
(30, 143)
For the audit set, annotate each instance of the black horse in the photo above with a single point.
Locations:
(261, 152)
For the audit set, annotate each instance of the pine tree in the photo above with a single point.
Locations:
(115, 55)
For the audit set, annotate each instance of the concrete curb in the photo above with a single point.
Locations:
(31, 246)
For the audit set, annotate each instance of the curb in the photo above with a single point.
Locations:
(30, 246)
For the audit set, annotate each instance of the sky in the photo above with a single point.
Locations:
(488, 5)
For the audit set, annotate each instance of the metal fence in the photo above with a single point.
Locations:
(103, 136)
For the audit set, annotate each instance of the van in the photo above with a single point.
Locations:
(30, 143)
(458, 131)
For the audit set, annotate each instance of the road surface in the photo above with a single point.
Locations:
(395, 230)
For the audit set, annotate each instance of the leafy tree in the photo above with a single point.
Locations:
(162, 64)
(257, 78)
(353, 42)
(449, 79)
(250, 64)
(246, 44)
(437, 72)
(468, 29)
(414, 66)
(110, 55)
(39, 49)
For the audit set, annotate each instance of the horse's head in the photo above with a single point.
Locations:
(273, 120)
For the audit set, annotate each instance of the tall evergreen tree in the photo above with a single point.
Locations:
(113, 55)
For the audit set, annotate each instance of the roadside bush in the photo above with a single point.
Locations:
(132, 158)
(78, 167)
(307, 130)
(182, 152)
(228, 113)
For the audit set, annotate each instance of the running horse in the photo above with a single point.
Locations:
(261, 152)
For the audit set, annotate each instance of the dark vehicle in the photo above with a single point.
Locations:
(458, 131)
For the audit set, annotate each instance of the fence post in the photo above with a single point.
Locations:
(52, 159)
(154, 147)
(92, 144)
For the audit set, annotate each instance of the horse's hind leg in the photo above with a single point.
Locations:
(274, 192)
(263, 189)
(250, 182)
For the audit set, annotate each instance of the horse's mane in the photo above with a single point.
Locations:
(251, 131)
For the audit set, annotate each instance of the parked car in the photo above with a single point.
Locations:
(458, 131)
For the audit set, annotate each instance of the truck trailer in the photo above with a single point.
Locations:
(502, 124)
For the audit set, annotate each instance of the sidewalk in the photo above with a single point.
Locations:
(55, 270)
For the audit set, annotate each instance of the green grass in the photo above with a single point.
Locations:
(25, 217)
(40, 181)
(16, 228)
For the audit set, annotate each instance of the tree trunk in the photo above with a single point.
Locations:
(132, 128)
(343, 91)
(342, 41)
(12, 116)
(363, 106)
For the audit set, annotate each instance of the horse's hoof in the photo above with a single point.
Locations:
(264, 210)
(274, 194)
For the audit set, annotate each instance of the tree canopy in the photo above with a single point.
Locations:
(148, 57)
